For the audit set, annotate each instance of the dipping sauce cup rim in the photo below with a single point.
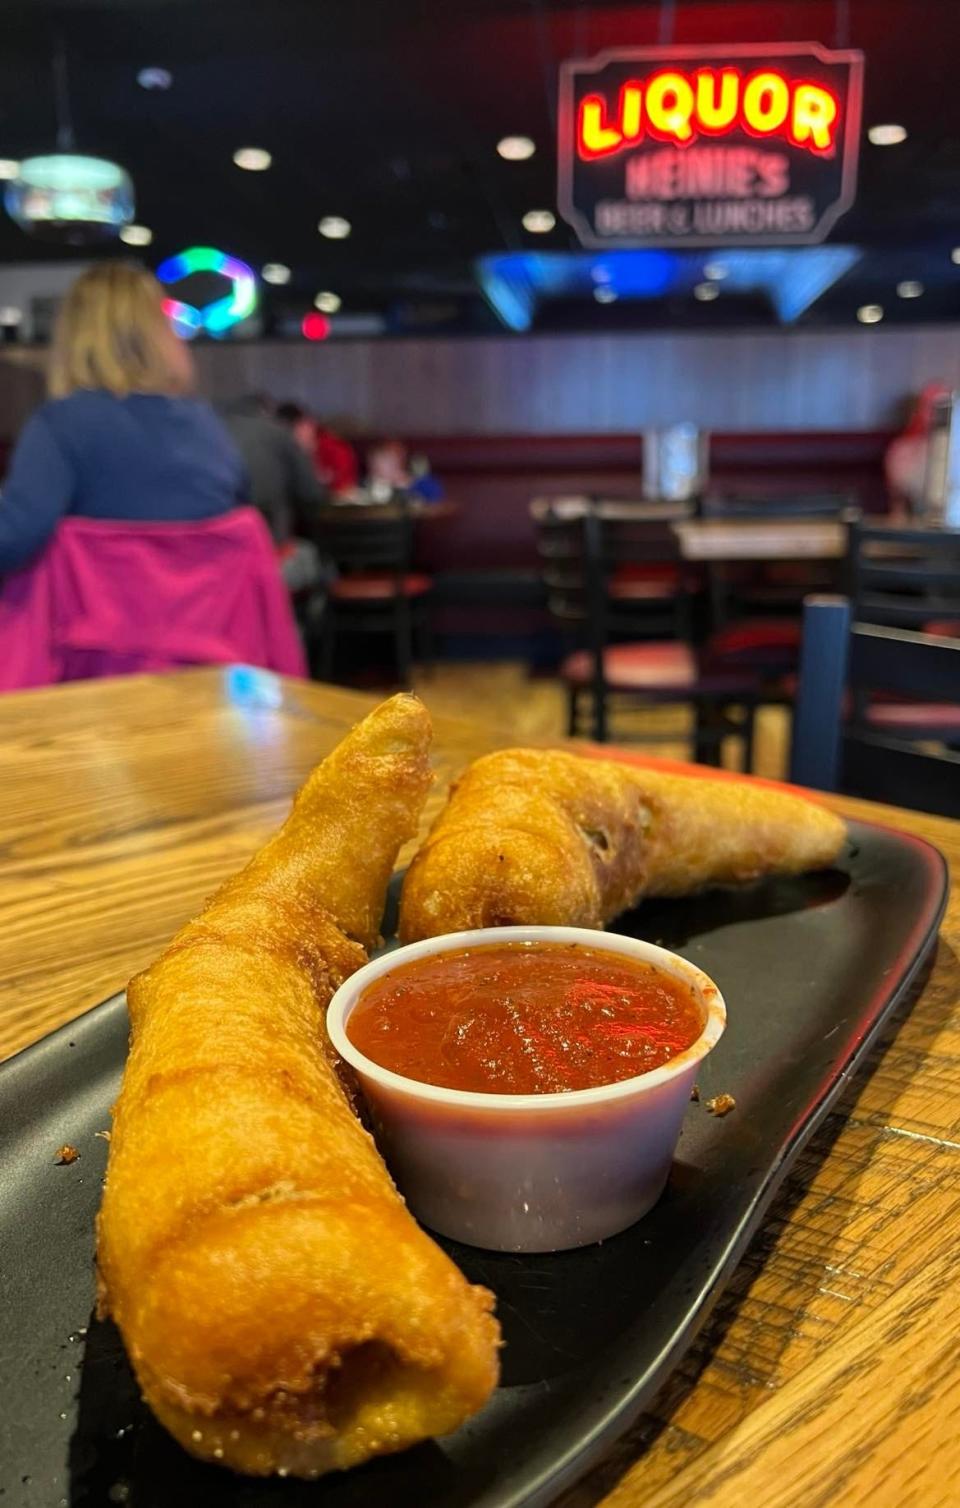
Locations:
(347, 996)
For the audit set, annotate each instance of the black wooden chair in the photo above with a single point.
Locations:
(622, 594)
(756, 606)
(835, 745)
(907, 578)
(904, 577)
(376, 592)
(759, 504)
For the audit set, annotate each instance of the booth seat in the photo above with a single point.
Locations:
(483, 558)
(492, 479)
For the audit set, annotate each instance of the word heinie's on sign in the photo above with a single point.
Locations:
(685, 145)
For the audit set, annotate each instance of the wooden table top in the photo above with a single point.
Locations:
(717, 539)
(762, 539)
(829, 1373)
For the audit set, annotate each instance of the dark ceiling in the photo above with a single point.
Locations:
(388, 112)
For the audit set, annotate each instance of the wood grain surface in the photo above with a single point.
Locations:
(594, 383)
(828, 1373)
(769, 539)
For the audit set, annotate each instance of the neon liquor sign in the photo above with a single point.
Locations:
(709, 145)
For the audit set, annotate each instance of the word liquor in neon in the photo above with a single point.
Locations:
(681, 107)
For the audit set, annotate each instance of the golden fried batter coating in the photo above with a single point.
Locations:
(282, 1310)
(543, 836)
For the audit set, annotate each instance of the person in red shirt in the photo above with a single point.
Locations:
(334, 458)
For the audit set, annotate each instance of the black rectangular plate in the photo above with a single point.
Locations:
(810, 969)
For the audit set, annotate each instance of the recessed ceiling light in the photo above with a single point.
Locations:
(955, 255)
(10, 315)
(870, 314)
(154, 78)
(706, 292)
(516, 148)
(539, 221)
(605, 295)
(715, 272)
(9, 167)
(275, 272)
(334, 227)
(328, 303)
(252, 159)
(136, 235)
(910, 288)
(887, 136)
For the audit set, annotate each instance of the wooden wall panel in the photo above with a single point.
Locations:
(588, 384)
(22, 388)
(853, 380)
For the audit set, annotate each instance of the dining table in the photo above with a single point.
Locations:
(829, 1371)
(784, 538)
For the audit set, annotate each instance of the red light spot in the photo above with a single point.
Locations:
(314, 327)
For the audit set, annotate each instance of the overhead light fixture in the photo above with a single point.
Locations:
(10, 315)
(65, 196)
(314, 327)
(154, 78)
(252, 159)
(334, 227)
(887, 135)
(328, 303)
(275, 272)
(605, 295)
(955, 255)
(9, 168)
(706, 292)
(870, 314)
(539, 221)
(136, 235)
(516, 148)
(715, 272)
(910, 288)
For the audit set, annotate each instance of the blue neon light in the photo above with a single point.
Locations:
(516, 284)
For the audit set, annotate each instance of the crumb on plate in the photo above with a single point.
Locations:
(695, 1092)
(66, 1154)
(721, 1104)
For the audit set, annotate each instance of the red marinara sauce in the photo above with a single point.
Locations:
(524, 1018)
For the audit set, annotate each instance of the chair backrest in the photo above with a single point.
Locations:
(371, 538)
(108, 598)
(792, 505)
(841, 662)
(904, 577)
(613, 576)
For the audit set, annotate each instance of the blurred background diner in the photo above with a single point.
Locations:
(384, 344)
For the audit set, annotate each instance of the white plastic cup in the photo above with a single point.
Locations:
(530, 1172)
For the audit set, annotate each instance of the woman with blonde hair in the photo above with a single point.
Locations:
(120, 436)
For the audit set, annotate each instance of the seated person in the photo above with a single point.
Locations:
(334, 458)
(282, 484)
(119, 437)
(391, 469)
(423, 483)
(916, 458)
